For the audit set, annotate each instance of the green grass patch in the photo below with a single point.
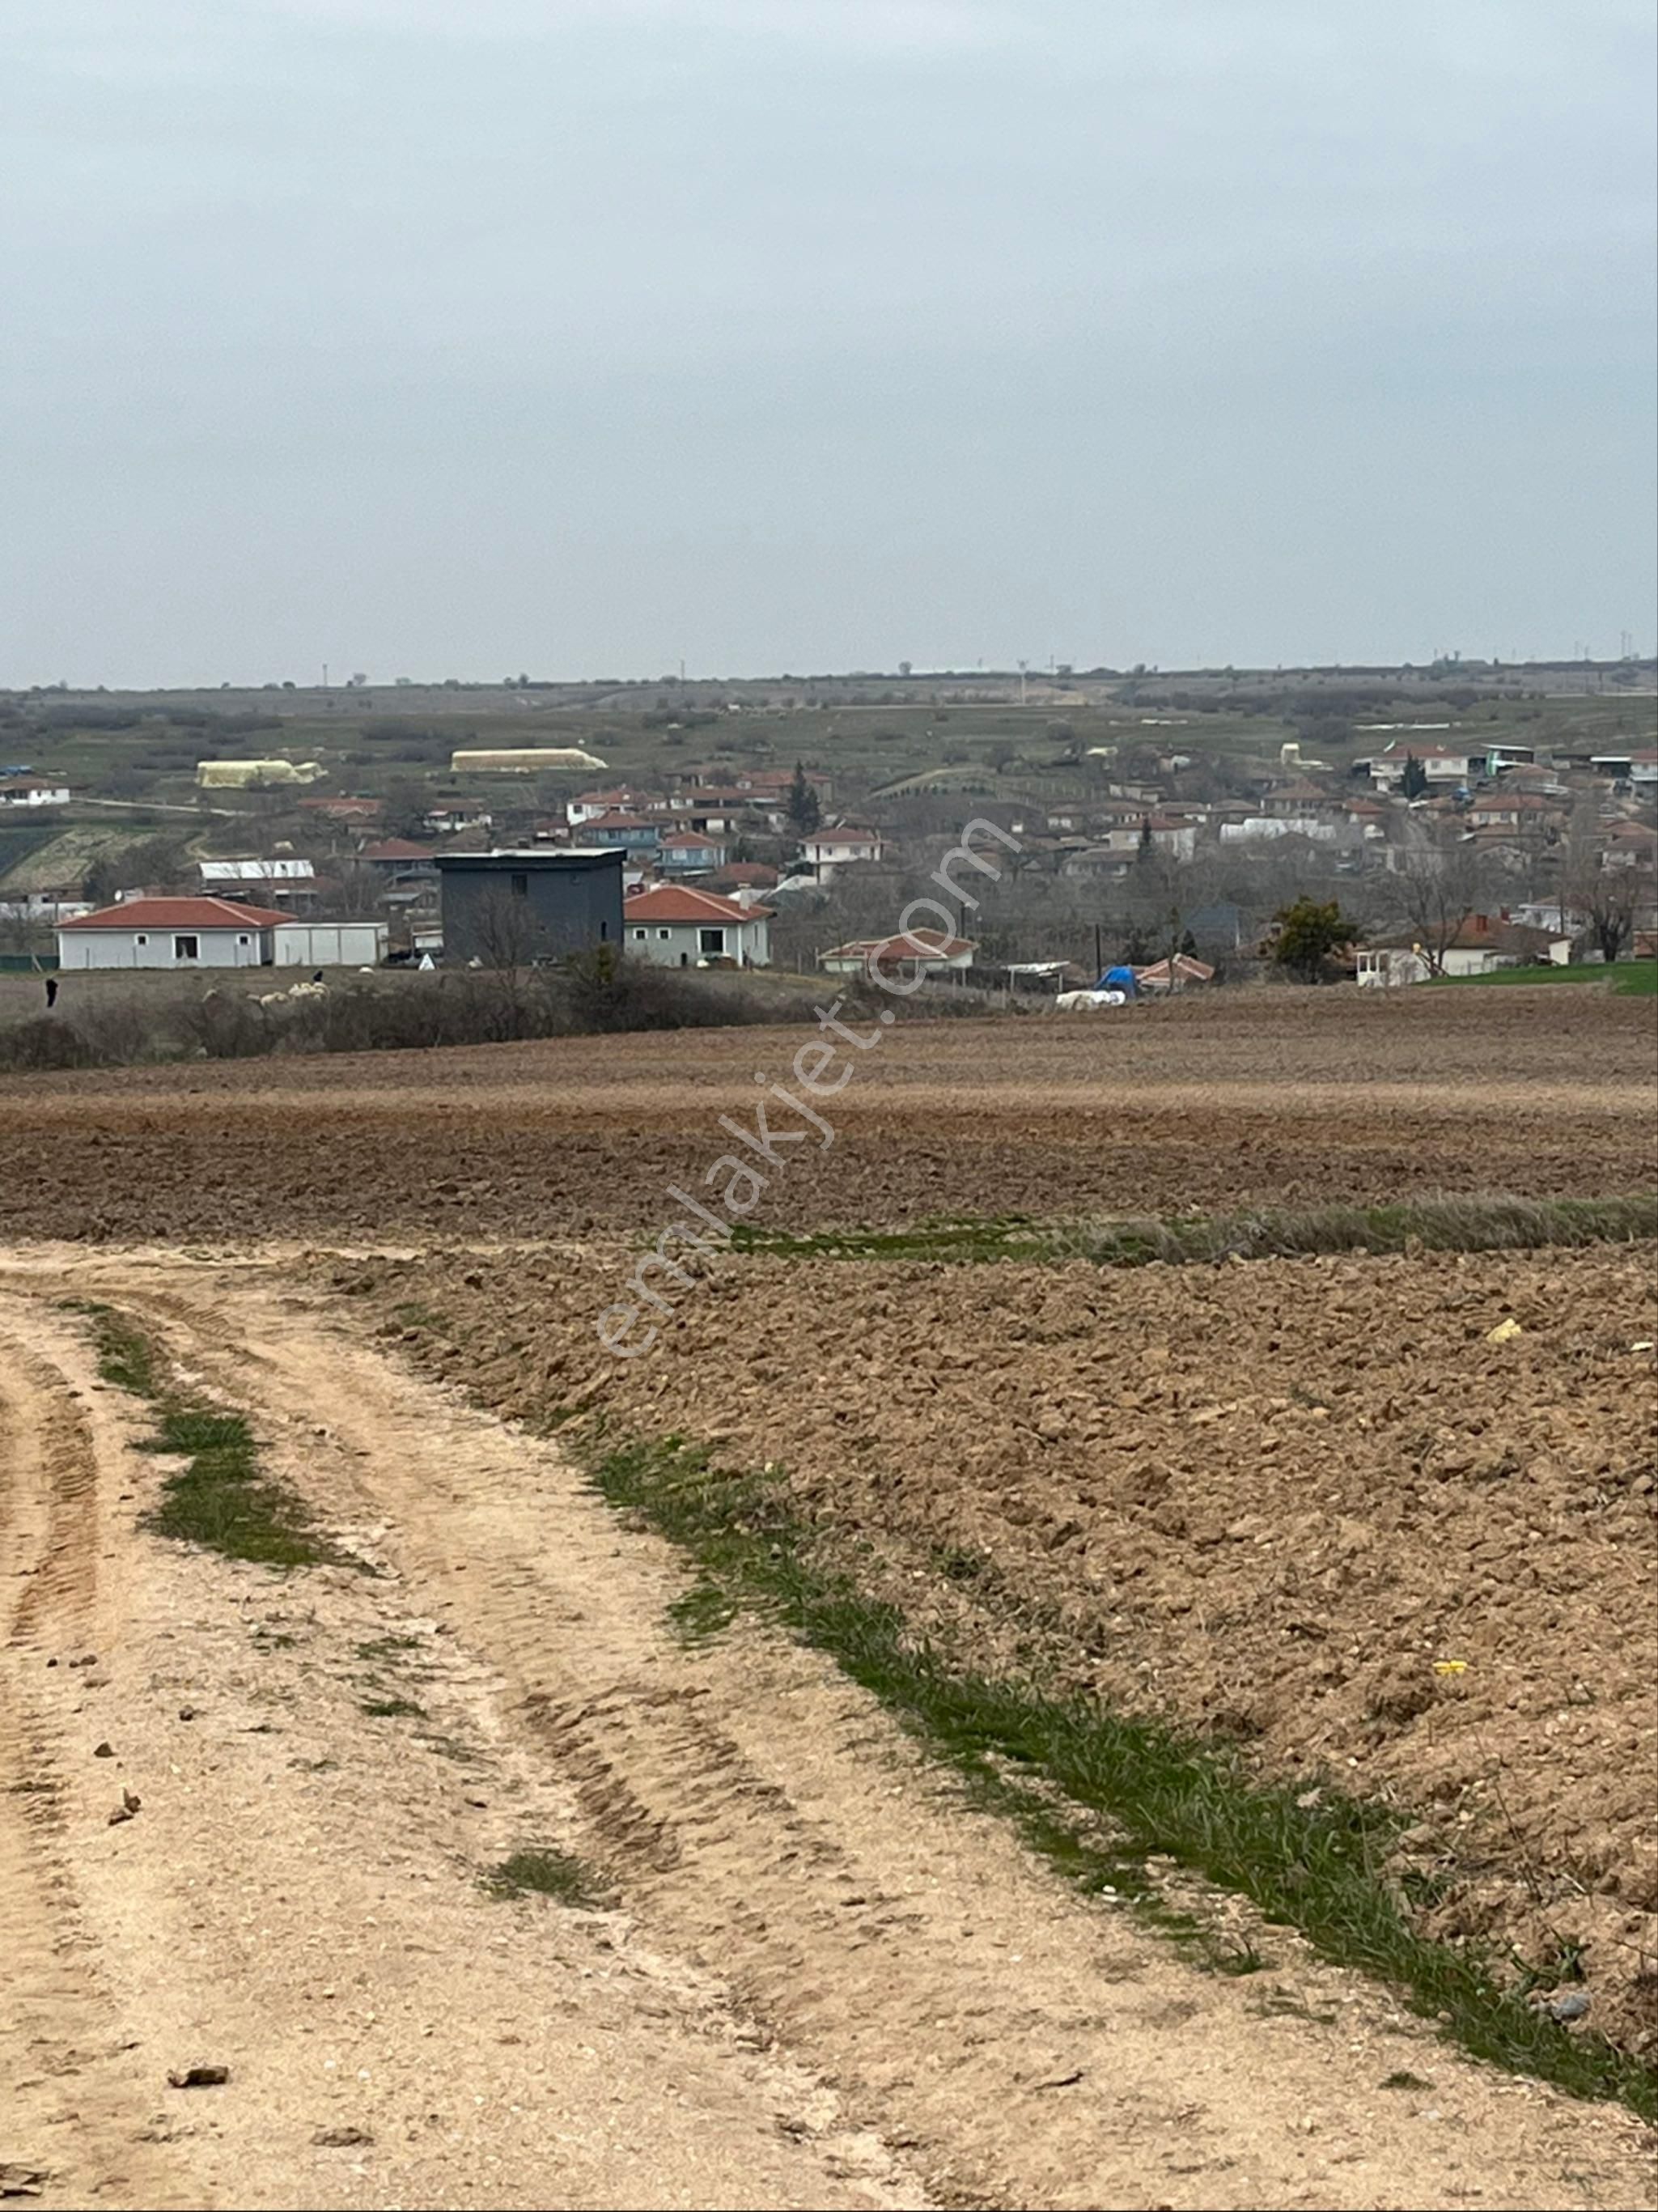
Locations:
(545, 1872)
(1096, 1791)
(220, 1499)
(1630, 979)
(125, 1356)
(699, 1613)
(1473, 1224)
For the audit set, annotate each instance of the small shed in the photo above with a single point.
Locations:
(311, 944)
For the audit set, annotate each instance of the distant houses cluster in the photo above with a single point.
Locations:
(700, 866)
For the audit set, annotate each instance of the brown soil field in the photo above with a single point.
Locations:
(1271, 1499)
(1265, 1498)
(1267, 1097)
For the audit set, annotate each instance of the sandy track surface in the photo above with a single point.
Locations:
(825, 1981)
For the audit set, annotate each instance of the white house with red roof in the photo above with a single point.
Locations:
(917, 952)
(672, 926)
(839, 846)
(171, 932)
(588, 805)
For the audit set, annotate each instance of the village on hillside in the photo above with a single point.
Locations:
(1153, 832)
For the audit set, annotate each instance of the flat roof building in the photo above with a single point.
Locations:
(511, 909)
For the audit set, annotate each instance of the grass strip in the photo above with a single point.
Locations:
(1473, 1224)
(1096, 1792)
(547, 1872)
(220, 1499)
(126, 1358)
(1630, 979)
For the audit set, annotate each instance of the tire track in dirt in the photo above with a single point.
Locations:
(771, 1825)
(299, 1897)
(73, 2103)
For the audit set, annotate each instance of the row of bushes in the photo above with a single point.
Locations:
(402, 1013)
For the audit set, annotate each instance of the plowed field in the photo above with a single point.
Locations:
(1385, 1523)
(1269, 1498)
(1262, 1098)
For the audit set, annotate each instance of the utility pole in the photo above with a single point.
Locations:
(1022, 666)
(1099, 954)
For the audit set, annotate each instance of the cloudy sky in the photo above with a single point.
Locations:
(463, 336)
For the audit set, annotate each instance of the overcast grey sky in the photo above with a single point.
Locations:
(462, 336)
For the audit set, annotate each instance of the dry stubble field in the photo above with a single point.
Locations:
(1265, 1498)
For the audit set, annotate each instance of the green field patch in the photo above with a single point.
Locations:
(1628, 978)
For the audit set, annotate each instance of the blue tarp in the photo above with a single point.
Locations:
(1117, 978)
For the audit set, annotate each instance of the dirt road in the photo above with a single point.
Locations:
(822, 1979)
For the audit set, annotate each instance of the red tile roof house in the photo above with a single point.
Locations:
(746, 875)
(171, 932)
(588, 805)
(920, 952)
(673, 926)
(342, 809)
(398, 857)
(1485, 943)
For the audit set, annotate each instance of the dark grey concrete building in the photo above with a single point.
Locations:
(509, 909)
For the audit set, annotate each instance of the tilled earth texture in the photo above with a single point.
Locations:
(1275, 1498)
(483, 1877)
(1262, 1098)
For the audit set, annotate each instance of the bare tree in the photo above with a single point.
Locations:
(503, 932)
(1440, 888)
(355, 888)
(1605, 893)
(1608, 895)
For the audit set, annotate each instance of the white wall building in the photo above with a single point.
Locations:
(674, 926)
(32, 791)
(283, 880)
(836, 848)
(329, 944)
(1441, 765)
(1259, 829)
(171, 933)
